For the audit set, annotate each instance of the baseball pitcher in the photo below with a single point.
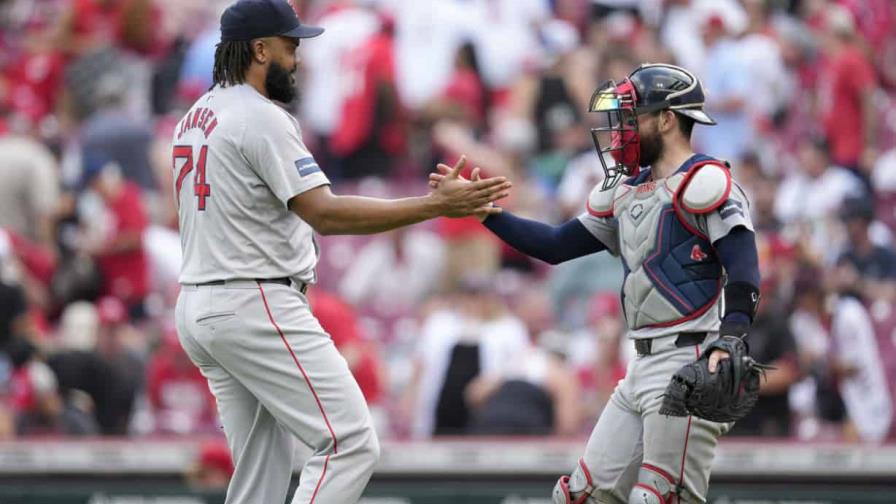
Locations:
(249, 196)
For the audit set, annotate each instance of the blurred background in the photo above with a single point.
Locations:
(460, 344)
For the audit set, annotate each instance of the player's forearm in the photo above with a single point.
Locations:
(362, 215)
(737, 252)
(551, 244)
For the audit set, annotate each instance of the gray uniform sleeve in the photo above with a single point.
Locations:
(605, 229)
(272, 143)
(733, 213)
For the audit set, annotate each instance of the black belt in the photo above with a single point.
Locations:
(303, 287)
(686, 339)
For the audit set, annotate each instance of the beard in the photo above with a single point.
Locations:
(279, 84)
(651, 149)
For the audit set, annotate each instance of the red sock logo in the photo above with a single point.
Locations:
(697, 254)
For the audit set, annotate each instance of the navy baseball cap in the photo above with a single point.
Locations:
(252, 19)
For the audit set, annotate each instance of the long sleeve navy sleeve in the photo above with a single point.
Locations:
(737, 252)
(551, 244)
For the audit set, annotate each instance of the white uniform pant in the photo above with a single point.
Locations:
(276, 374)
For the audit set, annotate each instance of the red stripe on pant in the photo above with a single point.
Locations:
(321, 479)
(310, 387)
(684, 452)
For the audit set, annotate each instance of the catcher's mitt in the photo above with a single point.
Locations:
(723, 396)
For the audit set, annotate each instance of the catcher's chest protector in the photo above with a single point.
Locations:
(672, 273)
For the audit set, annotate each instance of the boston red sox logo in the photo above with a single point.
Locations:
(697, 254)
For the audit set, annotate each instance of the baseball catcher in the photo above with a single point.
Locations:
(681, 227)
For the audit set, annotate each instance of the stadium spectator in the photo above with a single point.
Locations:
(348, 25)
(40, 411)
(31, 67)
(884, 183)
(179, 398)
(116, 235)
(112, 132)
(427, 36)
(554, 95)
(729, 86)
(771, 342)
(600, 354)
(339, 321)
(505, 33)
(860, 373)
(771, 85)
(846, 94)
(122, 349)
(847, 395)
(369, 137)
(815, 399)
(29, 194)
(212, 469)
(394, 272)
(536, 394)
(464, 98)
(681, 30)
(14, 316)
(866, 268)
(475, 336)
(96, 374)
(810, 195)
(88, 24)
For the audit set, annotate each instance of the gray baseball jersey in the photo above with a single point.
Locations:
(672, 285)
(238, 159)
(275, 373)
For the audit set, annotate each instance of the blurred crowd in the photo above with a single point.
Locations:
(447, 331)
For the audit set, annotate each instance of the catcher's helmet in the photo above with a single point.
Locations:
(650, 88)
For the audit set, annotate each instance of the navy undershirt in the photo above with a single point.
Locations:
(551, 244)
(557, 244)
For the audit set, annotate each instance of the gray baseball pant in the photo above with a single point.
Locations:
(633, 445)
(276, 375)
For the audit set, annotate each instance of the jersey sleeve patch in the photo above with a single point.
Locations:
(731, 208)
(306, 166)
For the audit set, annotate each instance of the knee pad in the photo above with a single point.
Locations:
(654, 486)
(575, 488)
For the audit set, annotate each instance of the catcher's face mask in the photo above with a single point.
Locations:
(620, 104)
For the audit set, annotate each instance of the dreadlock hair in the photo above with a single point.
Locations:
(232, 59)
